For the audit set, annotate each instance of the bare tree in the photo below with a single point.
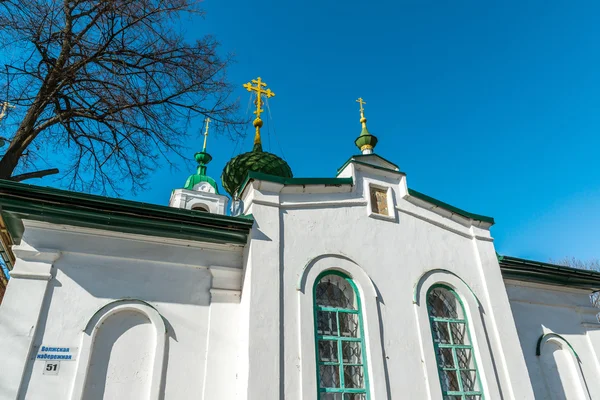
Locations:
(573, 262)
(106, 87)
(591, 264)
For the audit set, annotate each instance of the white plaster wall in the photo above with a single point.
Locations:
(97, 267)
(542, 309)
(394, 254)
(262, 297)
(259, 347)
(188, 199)
(561, 375)
(121, 362)
(394, 259)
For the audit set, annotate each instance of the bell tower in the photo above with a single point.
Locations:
(200, 192)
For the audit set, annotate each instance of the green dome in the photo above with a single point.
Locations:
(366, 141)
(236, 170)
(202, 158)
(195, 179)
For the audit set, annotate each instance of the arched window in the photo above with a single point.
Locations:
(199, 207)
(453, 348)
(340, 346)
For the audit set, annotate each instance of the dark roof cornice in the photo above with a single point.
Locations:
(21, 201)
(551, 274)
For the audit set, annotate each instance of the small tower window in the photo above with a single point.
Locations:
(453, 347)
(200, 207)
(341, 358)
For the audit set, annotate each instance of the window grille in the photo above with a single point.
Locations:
(340, 346)
(453, 348)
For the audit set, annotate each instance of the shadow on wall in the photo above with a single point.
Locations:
(489, 348)
(472, 307)
(123, 353)
(54, 283)
(105, 278)
(553, 374)
(121, 361)
(551, 360)
(561, 369)
(380, 304)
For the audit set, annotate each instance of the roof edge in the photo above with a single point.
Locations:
(45, 193)
(355, 158)
(259, 176)
(22, 201)
(540, 272)
(449, 207)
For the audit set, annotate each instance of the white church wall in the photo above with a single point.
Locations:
(199, 199)
(173, 277)
(478, 332)
(561, 372)
(261, 296)
(565, 323)
(513, 374)
(223, 353)
(244, 328)
(306, 320)
(393, 253)
(109, 365)
(121, 362)
(394, 259)
(20, 314)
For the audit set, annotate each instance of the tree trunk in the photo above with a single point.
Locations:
(26, 132)
(23, 138)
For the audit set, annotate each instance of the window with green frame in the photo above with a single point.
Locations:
(453, 347)
(339, 339)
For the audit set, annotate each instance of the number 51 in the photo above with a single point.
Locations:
(51, 367)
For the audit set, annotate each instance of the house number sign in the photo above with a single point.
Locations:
(52, 357)
(51, 367)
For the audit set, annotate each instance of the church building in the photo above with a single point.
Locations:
(351, 286)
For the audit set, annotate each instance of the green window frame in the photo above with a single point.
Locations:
(454, 352)
(339, 339)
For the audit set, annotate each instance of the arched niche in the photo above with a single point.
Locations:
(474, 313)
(200, 207)
(561, 368)
(132, 313)
(372, 332)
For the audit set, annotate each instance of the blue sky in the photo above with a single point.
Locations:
(491, 106)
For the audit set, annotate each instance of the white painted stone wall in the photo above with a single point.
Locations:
(148, 302)
(156, 318)
(121, 363)
(543, 309)
(203, 198)
(393, 261)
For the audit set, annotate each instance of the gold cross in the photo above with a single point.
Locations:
(207, 120)
(362, 110)
(259, 91)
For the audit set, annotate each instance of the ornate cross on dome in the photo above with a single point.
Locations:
(260, 90)
(363, 120)
(362, 110)
(365, 142)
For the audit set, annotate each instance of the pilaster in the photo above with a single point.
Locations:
(265, 369)
(21, 312)
(510, 363)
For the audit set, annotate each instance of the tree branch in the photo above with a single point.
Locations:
(35, 174)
